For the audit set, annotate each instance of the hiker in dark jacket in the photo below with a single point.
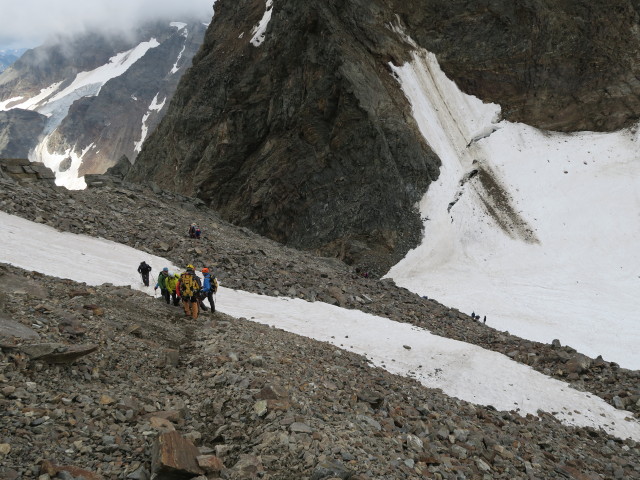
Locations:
(143, 270)
(162, 283)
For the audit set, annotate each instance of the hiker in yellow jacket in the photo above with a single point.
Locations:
(171, 284)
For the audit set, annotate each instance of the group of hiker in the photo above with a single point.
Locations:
(186, 287)
(194, 231)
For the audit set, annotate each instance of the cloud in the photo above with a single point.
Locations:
(27, 23)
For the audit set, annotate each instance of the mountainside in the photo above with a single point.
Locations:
(8, 56)
(20, 132)
(304, 137)
(101, 94)
(292, 123)
(566, 66)
(265, 403)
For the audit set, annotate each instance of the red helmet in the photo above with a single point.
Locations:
(205, 270)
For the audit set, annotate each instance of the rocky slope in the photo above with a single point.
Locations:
(20, 132)
(266, 403)
(101, 94)
(306, 138)
(136, 216)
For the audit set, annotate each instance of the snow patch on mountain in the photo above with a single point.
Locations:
(185, 34)
(527, 227)
(54, 103)
(65, 165)
(178, 25)
(259, 30)
(8, 104)
(118, 64)
(154, 107)
(31, 103)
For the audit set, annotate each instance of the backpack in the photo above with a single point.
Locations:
(188, 285)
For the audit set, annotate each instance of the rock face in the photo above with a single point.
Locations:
(101, 94)
(305, 138)
(565, 66)
(20, 131)
(303, 135)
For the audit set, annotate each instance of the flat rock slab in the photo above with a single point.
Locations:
(57, 352)
(12, 329)
(49, 468)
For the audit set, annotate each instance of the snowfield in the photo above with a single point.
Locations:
(536, 230)
(461, 370)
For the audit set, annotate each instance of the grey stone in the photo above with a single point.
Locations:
(298, 427)
(331, 469)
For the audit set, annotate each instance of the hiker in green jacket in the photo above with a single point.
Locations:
(162, 279)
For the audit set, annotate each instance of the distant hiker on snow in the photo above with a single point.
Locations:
(143, 270)
(172, 286)
(209, 287)
(162, 283)
(194, 231)
(190, 287)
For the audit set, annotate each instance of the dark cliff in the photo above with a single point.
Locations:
(562, 65)
(308, 139)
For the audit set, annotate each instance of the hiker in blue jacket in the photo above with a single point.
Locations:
(209, 287)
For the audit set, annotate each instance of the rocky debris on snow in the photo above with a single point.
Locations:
(136, 216)
(248, 401)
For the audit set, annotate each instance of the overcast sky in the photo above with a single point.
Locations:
(27, 23)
